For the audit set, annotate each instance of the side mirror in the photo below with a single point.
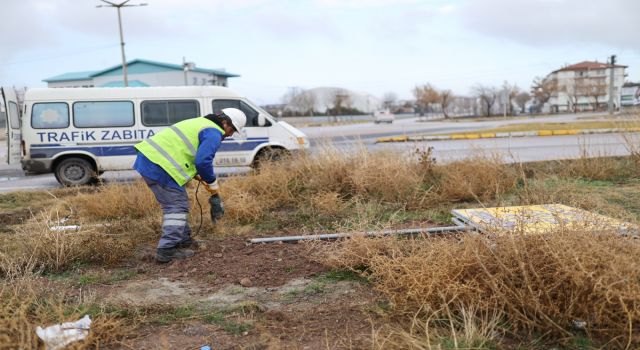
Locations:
(262, 120)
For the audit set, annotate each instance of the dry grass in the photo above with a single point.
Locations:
(34, 247)
(476, 179)
(385, 177)
(537, 284)
(116, 202)
(326, 191)
(463, 328)
(27, 303)
(460, 293)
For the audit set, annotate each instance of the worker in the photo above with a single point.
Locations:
(174, 156)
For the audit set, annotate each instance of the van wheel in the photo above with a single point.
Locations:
(267, 155)
(75, 172)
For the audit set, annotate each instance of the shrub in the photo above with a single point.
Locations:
(540, 284)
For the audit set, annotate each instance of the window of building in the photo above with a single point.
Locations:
(158, 113)
(50, 115)
(252, 114)
(103, 114)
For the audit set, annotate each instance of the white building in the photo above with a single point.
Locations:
(630, 95)
(143, 73)
(585, 86)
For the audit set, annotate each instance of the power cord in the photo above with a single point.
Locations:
(199, 206)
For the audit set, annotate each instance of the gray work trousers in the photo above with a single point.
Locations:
(175, 209)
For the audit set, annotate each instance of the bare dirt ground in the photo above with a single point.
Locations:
(235, 295)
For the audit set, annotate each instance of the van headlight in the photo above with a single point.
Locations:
(302, 140)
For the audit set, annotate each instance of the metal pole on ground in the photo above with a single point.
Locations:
(328, 236)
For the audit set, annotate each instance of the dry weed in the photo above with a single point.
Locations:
(242, 207)
(474, 179)
(28, 303)
(463, 328)
(36, 247)
(542, 283)
(328, 204)
(116, 202)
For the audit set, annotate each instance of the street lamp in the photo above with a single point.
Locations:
(118, 6)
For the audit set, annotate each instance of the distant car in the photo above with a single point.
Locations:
(383, 117)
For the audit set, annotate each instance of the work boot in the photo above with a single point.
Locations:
(189, 243)
(164, 255)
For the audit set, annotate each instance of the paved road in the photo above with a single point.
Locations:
(365, 131)
(347, 137)
(524, 149)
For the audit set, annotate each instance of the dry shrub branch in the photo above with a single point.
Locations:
(539, 283)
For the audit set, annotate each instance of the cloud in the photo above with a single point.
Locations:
(284, 25)
(612, 23)
(16, 33)
(363, 3)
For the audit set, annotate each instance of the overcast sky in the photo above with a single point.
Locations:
(371, 46)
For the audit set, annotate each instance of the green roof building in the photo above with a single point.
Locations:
(143, 73)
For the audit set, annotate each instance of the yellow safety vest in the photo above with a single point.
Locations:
(174, 148)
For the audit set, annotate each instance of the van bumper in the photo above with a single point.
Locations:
(39, 166)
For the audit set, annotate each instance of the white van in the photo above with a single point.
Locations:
(78, 133)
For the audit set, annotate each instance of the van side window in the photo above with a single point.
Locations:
(252, 114)
(50, 115)
(158, 113)
(14, 115)
(103, 114)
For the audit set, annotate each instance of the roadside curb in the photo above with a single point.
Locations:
(473, 136)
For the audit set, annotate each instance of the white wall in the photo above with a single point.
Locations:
(71, 83)
(171, 78)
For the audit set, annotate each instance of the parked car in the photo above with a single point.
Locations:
(383, 117)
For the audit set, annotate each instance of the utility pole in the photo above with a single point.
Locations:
(118, 6)
(611, 80)
(185, 68)
(505, 97)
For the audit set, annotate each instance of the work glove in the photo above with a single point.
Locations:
(212, 188)
(217, 208)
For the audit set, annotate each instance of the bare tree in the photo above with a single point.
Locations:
(595, 89)
(299, 101)
(574, 88)
(305, 102)
(389, 99)
(290, 95)
(426, 95)
(487, 96)
(340, 100)
(542, 90)
(521, 100)
(445, 99)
